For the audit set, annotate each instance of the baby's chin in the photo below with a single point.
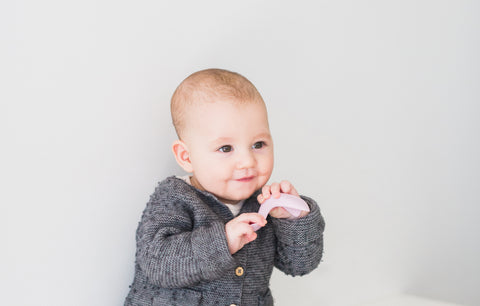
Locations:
(234, 199)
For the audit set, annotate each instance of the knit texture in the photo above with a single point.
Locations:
(182, 254)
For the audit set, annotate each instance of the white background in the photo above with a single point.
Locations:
(373, 105)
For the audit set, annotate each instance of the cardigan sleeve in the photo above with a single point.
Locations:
(174, 253)
(299, 242)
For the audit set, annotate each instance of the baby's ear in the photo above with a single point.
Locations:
(182, 155)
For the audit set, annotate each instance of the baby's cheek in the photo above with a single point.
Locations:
(262, 180)
(265, 171)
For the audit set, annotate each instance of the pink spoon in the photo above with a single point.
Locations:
(293, 204)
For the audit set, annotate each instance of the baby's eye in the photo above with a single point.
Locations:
(259, 145)
(225, 149)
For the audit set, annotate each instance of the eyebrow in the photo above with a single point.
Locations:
(221, 140)
(264, 135)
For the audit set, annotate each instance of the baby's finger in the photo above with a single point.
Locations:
(266, 192)
(287, 187)
(294, 191)
(250, 218)
(251, 236)
(275, 190)
(248, 232)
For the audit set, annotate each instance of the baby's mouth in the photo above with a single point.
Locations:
(245, 179)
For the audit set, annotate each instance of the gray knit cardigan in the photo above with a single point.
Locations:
(182, 255)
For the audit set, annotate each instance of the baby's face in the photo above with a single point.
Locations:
(230, 148)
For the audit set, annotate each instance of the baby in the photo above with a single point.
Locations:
(195, 242)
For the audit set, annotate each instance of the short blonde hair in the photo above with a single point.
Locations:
(207, 86)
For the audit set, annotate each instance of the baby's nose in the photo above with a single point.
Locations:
(245, 160)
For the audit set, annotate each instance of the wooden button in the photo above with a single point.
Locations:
(239, 271)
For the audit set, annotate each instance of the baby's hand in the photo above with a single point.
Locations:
(274, 190)
(240, 232)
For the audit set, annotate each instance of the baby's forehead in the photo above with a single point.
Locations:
(225, 120)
